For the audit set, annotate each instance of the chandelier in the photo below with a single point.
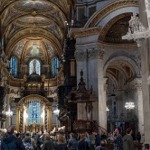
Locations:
(129, 105)
(8, 113)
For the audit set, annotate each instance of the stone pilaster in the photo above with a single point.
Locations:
(145, 65)
(102, 114)
(140, 109)
(49, 110)
(137, 84)
(17, 119)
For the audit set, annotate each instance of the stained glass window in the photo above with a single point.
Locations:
(13, 66)
(55, 66)
(34, 113)
(35, 66)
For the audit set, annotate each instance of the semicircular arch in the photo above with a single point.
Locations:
(130, 62)
(52, 20)
(103, 16)
(110, 76)
(15, 1)
(107, 27)
(33, 97)
(29, 32)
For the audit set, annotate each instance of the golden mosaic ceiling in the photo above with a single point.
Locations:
(28, 21)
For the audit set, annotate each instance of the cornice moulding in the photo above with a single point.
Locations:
(81, 32)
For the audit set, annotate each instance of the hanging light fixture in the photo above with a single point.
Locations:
(8, 113)
(129, 105)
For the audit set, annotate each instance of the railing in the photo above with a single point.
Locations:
(85, 125)
(28, 92)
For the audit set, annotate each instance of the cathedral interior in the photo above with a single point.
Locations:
(66, 63)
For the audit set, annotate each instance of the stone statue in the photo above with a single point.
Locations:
(135, 25)
(89, 108)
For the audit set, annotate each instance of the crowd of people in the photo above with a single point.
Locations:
(12, 140)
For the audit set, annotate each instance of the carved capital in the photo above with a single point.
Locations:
(80, 56)
(101, 54)
(86, 32)
(93, 53)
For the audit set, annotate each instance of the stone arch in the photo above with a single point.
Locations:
(28, 33)
(112, 78)
(103, 16)
(132, 63)
(39, 98)
(111, 22)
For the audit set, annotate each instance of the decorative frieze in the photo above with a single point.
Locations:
(85, 32)
(119, 4)
(80, 56)
(94, 53)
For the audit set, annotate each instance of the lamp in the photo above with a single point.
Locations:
(56, 111)
(8, 113)
(129, 105)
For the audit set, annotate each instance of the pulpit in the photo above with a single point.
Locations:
(85, 99)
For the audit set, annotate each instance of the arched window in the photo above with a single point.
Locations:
(55, 66)
(35, 66)
(34, 113)
(14, 66)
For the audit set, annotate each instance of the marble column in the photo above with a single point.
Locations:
(138, 86)
(49, 119)
(140, 110)
(17, 119)
(146, 91)
(102, 113)
(145, 66)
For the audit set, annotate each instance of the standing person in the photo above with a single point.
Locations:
(128, 143)
(10, 142)
(27, 144)
(117, 139)
(72, 143)
(47, 144)
(1, 136)
(146, 146)
(102, 146)
(38, 140)
(61, 144)
(83, 144)
(97, 139)
(92, 139)
(138, 137)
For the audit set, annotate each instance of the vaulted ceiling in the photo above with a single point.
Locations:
(34, 24)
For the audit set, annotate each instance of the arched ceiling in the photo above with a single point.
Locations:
(119, 73)
(34, 23)
(117, 30)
